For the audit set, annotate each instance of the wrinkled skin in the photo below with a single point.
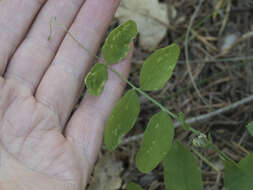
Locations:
(42, 145)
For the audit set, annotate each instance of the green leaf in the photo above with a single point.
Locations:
(122, 119)
(133, 186)
(158, 68)
(181, 169)
(96, 79)
(117, 44)
(239, 177)
(156, 142)
(250, 128)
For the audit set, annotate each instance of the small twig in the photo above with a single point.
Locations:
(225, 20)
(232, 59)
(243, 138)
(242, 9)
(198, 118)
(187, 50)
(218, 180)
(244, 150)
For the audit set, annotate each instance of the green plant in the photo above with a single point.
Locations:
(133, 186)
(180, 166)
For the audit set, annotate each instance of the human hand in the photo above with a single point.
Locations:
(41, 147)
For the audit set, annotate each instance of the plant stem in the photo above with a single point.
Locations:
(196, 132)
(142, 92)
(222, 154)
(113, 70)
(205, 160)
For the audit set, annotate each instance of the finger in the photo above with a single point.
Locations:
(15, 18)
(60, 86)
(35, 54)
(86, 127)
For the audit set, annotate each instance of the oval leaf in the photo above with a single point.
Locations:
(181, 169)
(250, 128)
(117, 44)
(96, 79)
(156, 142)
(133, 186)
(122, 119)
(239, 177)
(158, 68)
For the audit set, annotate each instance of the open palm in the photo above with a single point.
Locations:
(41, 146)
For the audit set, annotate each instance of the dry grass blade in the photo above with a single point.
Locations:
(187, 50)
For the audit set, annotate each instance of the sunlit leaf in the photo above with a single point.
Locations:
(158, 68)
(134, 186)
(122, 119)
(156, 142)
(181, 169)
(240, 176)
(96, 79)
(250, 128)
(117, 44)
